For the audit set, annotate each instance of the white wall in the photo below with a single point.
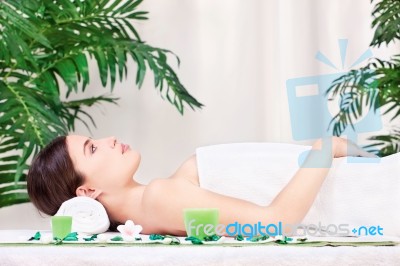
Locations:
(236, 57)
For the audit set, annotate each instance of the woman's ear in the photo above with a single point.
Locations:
(88, 192)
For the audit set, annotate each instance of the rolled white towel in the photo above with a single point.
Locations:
(88, 215)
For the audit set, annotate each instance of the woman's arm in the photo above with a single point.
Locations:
(164, 199)
(295, 199)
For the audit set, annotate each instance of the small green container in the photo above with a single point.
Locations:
(61, 226)
(201, 222)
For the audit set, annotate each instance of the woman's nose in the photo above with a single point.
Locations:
(112, 141)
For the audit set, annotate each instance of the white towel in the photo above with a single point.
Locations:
(88, 215)
(366, 193)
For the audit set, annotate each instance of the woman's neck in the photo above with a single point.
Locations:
(125, 204)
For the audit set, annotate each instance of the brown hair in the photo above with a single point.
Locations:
(53, 179)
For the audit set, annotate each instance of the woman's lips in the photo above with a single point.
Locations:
(124, 147)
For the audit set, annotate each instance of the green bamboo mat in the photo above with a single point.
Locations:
(41, 239)
(238, 244)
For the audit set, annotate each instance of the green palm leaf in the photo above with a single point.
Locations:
(386, 22)
(46, 45)
(377, 85)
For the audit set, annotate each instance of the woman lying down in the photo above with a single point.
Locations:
(333, 185)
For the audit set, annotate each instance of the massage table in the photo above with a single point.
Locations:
(383, 251)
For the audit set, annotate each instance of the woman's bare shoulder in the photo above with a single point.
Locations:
(155, 197)
(189, 162)
(188, 170)
(157, 194)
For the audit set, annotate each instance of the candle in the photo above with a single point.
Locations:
(200, 222)
(61, 226)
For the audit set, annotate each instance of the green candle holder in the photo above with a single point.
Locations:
(61, 226)
(201, 222)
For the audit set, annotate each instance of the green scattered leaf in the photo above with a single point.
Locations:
(117, 238)
(259, 238)
(35, 237)
(71, 237)
(194, 240)
(213, 237)
(302, 239)
(239, 237)
(156, 237)
(91, 238)
(58, 241)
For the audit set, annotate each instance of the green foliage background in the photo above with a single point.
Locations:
(45, 45)
(377, 85)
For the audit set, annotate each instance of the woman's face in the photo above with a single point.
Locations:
(106, 164)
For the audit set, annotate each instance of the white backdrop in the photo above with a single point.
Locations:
(236, 58)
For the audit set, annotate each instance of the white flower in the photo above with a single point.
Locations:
(221, 240)
(129, 231)
(46, 239)
(167, 240)
(102, 238)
